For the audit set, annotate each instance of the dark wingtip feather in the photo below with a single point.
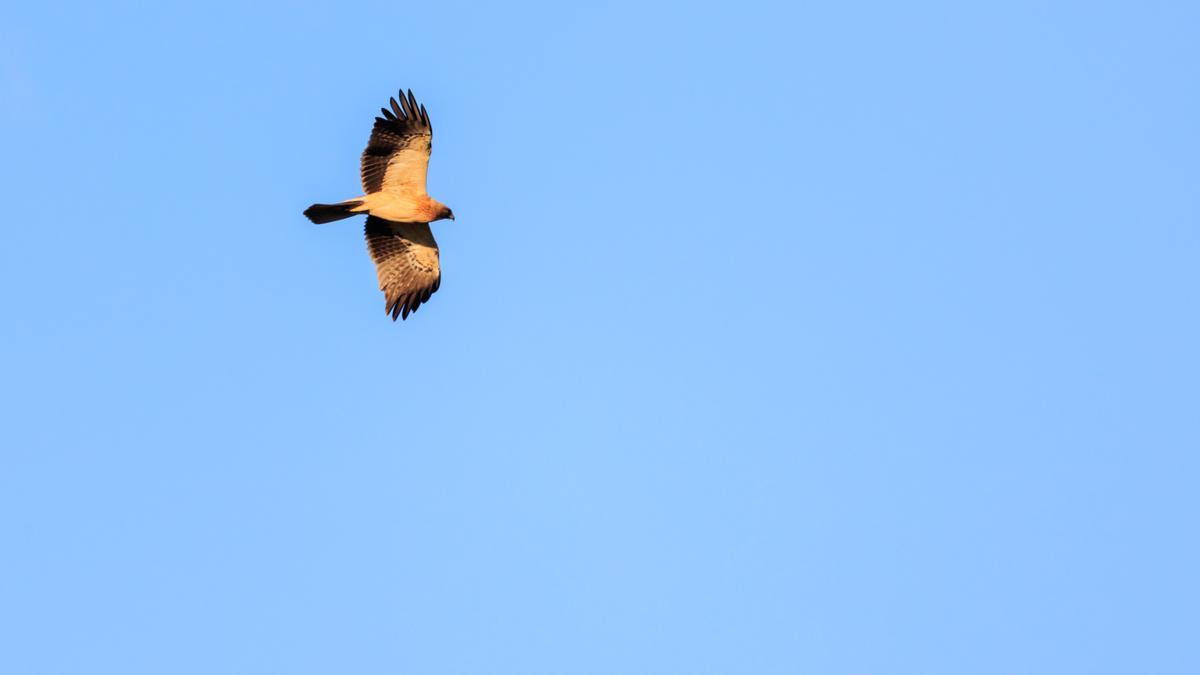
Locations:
(412, 103)
(406, 113)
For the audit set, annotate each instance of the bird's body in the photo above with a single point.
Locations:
(398, 208)
(402, 208)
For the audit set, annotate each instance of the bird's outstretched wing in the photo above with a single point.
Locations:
(406, 260)
(397, 156)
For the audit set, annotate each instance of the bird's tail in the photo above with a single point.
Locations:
(327, 213)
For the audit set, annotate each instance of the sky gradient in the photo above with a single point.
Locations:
(841, 338)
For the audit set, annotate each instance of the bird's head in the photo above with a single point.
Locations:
(444, 212)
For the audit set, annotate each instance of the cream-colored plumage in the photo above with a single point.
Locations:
(399, 207)
(394, 168)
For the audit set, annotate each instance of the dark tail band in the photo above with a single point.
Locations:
(327, 213)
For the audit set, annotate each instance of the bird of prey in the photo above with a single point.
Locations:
(398, 209)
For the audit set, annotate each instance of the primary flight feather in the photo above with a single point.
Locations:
(398, 208)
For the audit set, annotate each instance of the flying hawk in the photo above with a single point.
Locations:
(398, 209)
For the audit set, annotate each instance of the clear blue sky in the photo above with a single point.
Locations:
(839, 338)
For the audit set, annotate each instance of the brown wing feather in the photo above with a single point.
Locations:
(406, 260)
(397, 156)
